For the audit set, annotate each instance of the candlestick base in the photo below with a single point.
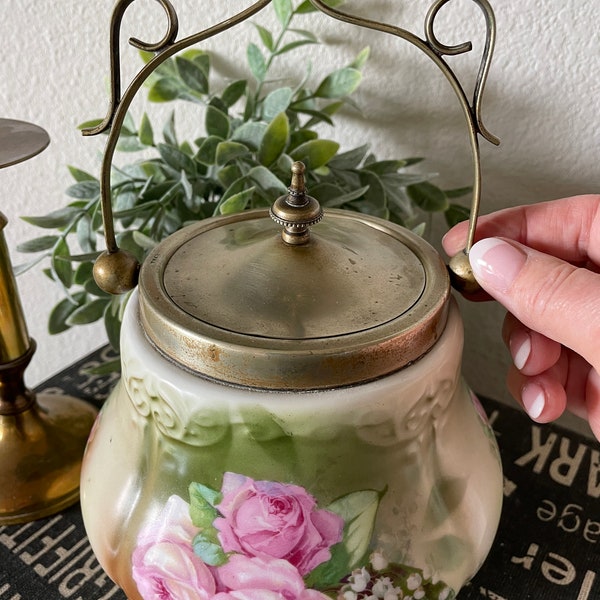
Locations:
(42, 440)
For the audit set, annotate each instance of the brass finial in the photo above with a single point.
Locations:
(296, 211)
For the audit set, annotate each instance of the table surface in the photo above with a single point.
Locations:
(547, 546)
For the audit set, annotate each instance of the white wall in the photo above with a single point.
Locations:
(542, 100)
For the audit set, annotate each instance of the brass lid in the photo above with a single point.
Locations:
(230, 299)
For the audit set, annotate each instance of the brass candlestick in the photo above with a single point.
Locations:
(43, 436)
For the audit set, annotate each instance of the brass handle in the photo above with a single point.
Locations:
(116, 271)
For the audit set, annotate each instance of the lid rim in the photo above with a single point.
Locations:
(265, 362)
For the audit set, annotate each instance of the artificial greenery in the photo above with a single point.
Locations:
(253, 130)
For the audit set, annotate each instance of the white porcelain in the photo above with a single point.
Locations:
(196, 489)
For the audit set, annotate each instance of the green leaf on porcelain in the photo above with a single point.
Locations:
(203, 514)
(358, 510)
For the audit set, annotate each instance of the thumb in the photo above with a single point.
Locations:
(545, 293)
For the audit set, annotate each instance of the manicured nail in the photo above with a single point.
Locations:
(496, 263)
(520, 348)
(534, 399)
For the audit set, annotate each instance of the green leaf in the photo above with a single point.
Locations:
(237, 202)
(276, 102)
(169, 134)
(61, 264)
(91, 124)
(361, 58)
(217, 122)
(145, 133)
(305, 33)
(209, 551)
(339, 83)
(315, 153)
(112, 322)
(143, 241)
(265, 35)
(88, 313)
(39, 244)
(256, 62)
(307, 6)
(228, 151)
(200, 58)
(207, 153)
(233, 92)
(345, 198)
(165, 89)
(229, 176)
(84, 190)
(284, 11)
(83, 273)
(106, 368)
(175, 158)
(57, 321)
(266, 180)
(251, 134)
(54, 220)
(358, 511)
(192, 75)
(203, 514)
(86, 237)
(456, 214)
(458, 192)
(385, 166)
(79, 175)
(428, 196)
(293, 45)
(274, 140)
(300, 136)
(350, 159)
(202, 497)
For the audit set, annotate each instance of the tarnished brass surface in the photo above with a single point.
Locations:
(19, 141)
(42, 440)
(116, 272)
(461, 274)
(228, 298)
(14, 339)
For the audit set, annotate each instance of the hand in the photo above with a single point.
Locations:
(544, 269)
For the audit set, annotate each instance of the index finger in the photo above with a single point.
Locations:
(568, 228)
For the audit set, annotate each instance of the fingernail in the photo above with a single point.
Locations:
(496, 263)
(534, 399)
(520, 348)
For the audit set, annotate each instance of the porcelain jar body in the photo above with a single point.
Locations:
(196, 489)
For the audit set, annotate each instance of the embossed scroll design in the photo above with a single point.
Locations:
(168, 46)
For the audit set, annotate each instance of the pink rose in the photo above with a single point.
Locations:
(164, 564)
(274, 520)
(245, 578)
